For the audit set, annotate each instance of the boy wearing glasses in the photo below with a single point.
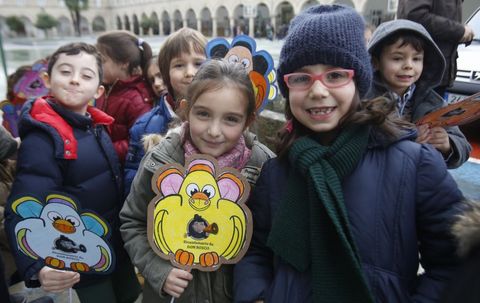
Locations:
(408, 66)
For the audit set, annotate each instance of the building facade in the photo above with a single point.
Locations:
(259, 18)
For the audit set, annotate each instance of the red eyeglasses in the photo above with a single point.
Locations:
(331, 78)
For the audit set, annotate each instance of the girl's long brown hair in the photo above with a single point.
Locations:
(124, 47)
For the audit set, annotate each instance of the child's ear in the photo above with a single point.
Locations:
(100, 91)
(182, 109)
(46, 79)
(250, 120)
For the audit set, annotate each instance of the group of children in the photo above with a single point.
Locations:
(346, 211)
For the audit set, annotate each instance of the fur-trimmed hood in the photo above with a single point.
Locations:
(150, 140)
(467, 229)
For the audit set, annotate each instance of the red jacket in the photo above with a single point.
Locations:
(125, 101)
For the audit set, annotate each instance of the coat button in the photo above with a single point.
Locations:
(67, 141)
(67, 153)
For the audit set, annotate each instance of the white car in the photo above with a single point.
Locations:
(467, 81)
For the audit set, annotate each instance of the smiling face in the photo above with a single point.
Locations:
(217, 119)
(319, 108)
(181, 71)
(74, 81)
(400, 66)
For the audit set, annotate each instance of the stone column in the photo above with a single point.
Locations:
(199, 25)
(232, 24)
(273, 23)
(214, 27)
(251, 28)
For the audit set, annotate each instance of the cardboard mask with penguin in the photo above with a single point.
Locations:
(63, 235)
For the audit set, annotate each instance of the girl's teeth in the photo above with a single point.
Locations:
(322, 111)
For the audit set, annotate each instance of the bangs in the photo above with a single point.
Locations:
(416, 42)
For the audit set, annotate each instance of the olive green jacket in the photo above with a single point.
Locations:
(205, 286)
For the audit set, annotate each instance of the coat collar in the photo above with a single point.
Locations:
(44, 112)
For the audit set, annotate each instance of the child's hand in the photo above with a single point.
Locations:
(423, 134)
(440, 140)
(177, 281)
(436, 136)
(56, 281)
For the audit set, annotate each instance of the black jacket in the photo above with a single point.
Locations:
(48, 162)
(443, 20)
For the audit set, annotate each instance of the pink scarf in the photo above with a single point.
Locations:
(237, 157)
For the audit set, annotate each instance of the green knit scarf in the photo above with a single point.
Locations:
(311, 224)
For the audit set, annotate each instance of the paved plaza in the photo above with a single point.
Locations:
(33, 293)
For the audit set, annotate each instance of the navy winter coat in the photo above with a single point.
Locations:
(153, 122)
(49, 162)
(400, 201)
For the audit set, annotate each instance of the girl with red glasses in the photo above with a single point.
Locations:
(352, 205)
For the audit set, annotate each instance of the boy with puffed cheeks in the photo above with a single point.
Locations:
(66, 148)
(408, 66)
(74, 80)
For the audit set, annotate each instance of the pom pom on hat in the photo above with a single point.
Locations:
(326, 34)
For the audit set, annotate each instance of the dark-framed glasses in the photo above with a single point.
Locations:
(332, 78)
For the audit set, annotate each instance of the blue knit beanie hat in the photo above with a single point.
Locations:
(330, 35)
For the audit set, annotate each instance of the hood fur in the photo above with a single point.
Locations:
(150, 140)
(467, 229)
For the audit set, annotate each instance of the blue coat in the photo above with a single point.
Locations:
(89, 173)
(153, 122)
(400, 201)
